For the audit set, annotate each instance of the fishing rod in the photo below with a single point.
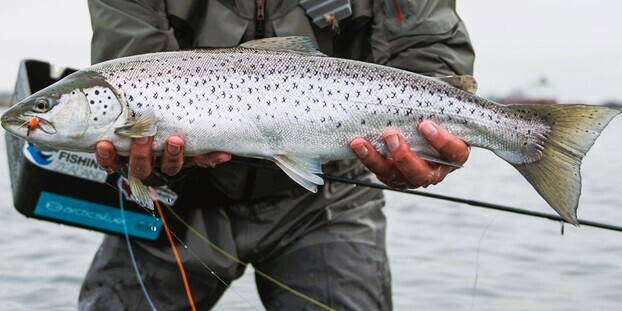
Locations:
(509, 209)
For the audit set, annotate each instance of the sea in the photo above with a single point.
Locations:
(443, 255)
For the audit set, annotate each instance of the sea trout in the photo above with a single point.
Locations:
(280, 99)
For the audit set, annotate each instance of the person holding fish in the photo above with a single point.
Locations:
(329, 245)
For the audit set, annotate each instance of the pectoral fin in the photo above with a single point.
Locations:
(144, 126)
(301, 170)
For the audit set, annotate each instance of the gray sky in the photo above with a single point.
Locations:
(575, 44)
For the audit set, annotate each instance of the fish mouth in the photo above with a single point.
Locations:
(23, 120)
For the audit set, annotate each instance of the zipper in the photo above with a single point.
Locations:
(260, 31)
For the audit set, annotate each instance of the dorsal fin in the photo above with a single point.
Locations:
(295, 44)
(466, 83)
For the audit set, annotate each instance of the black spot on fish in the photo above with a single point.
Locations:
(96, 92)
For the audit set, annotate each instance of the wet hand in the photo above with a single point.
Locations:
(141, 161)
(402, 168)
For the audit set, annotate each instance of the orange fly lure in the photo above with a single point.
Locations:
(32, 124)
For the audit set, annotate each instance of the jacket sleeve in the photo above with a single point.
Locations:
(423, 36)
(129, 27)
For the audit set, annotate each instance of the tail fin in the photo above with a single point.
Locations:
(556, 176)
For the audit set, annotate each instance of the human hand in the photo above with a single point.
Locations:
(141, 162)
(403, 168)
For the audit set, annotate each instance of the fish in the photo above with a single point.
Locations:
(282, 100)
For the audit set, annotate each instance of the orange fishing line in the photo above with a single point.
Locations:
(170, 239)
(398, 13)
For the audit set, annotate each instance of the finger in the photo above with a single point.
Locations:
(452, 148)
(106, 156)
(373, 160)
(141, 161)
(212, 159)
(173, 156)
(416, 170)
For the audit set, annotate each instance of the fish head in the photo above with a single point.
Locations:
(71, 114)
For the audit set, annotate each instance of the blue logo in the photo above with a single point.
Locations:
(97, 216)
(38, 156)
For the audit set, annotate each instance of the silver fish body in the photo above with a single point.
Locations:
(300, 109)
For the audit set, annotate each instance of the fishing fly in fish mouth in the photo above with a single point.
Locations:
(280, 99)
(30, 120)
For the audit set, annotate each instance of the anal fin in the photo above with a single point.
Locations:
(428, 153)
(438, 161)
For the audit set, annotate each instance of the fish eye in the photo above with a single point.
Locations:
(41, 105)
